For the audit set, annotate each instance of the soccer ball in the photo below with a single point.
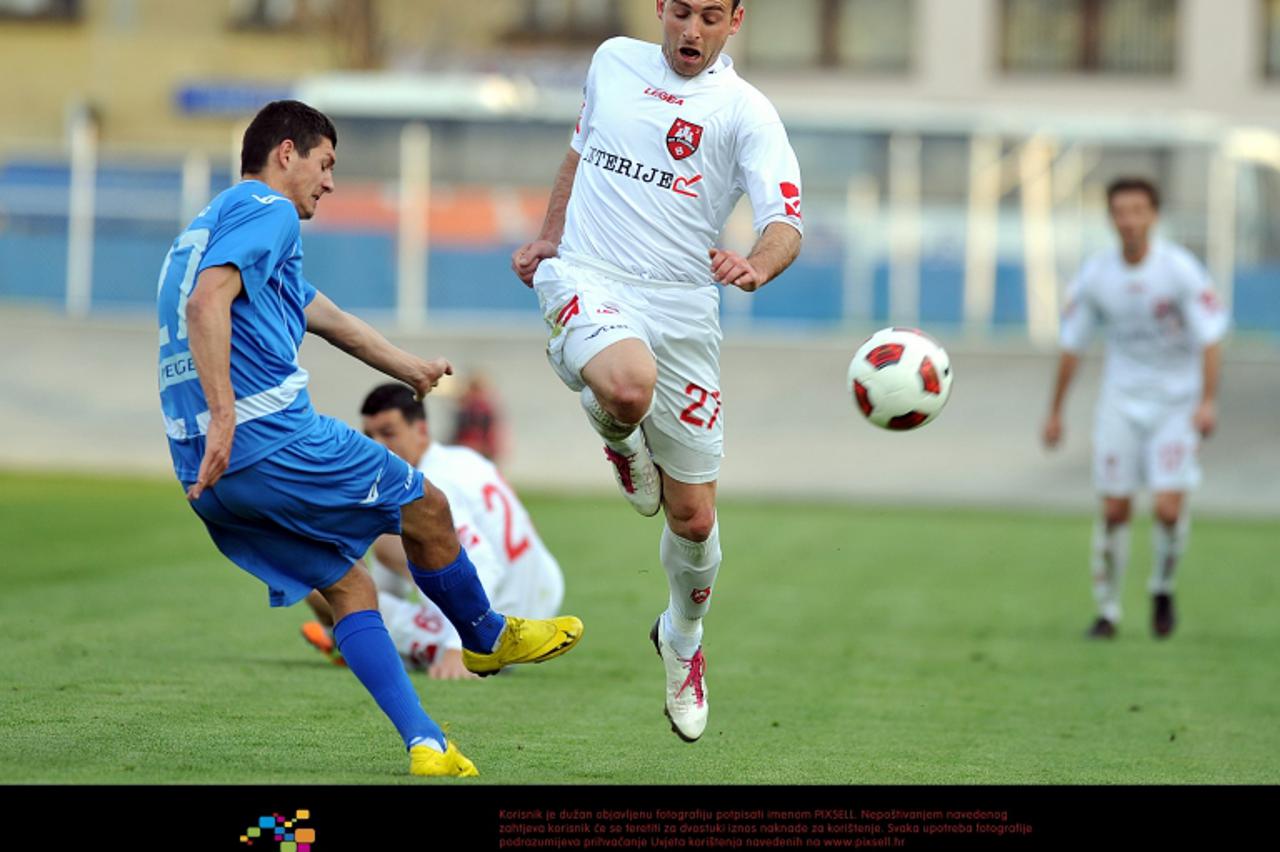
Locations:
(900, 378)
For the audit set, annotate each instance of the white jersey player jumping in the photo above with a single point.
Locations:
(511, 560)
(627, 273)
(1163, 328)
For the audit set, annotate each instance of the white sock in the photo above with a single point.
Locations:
(1167, 547)
(428, 742)
(417, 630)
(1110, 559)
(691, 572)
(614, 431)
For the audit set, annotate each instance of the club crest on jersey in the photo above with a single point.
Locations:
(683, 138)
(1168, 314)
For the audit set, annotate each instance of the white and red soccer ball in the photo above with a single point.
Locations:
(900, 378)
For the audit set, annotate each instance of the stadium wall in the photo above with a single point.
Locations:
(81, 395)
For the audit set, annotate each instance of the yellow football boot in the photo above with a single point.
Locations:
(424, 760)
(526, 640)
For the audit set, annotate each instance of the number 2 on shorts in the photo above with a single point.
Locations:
(700, 394)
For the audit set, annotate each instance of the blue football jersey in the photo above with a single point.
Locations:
(255, 229)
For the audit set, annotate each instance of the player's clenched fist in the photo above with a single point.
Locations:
(525, 260)
(1052, 433)
(1205, 418)
(426, 374)
(729, 267)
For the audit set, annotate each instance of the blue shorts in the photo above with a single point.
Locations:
(300, 518)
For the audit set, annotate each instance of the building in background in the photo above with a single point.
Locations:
(954, 150)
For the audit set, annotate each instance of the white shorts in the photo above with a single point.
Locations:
(1151, 444)
(589, 305)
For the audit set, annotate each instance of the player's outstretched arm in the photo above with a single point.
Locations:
(774, 251)
(362, 341)
(1053, 424)
(208, 316)
(1206, 416)
(525, 260)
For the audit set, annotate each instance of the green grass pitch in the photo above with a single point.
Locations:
(845, 645)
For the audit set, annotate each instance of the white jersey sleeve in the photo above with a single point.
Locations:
(1079, 314)
(1206, 318)
(770, 175)
(389, 581)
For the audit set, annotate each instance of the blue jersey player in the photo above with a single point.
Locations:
(293, 497)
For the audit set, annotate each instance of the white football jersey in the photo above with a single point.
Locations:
(665, 158)
(516, 569)
(1158, 317)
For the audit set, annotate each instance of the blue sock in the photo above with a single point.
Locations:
(456, 589)
(366, 646)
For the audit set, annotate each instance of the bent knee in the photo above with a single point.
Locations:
(1168, 509)
(1116, 513)
(433, 501)
(1116, 519)
(427, 513)
(628, 398)
(695, 523)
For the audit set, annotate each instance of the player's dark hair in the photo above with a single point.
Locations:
(278, 121)
(1133, 184)
(736, 4)
(394, 395)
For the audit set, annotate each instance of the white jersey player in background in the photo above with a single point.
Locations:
(513, 564)
(626, 271)
(1163, 327)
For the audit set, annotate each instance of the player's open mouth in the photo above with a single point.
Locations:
(690, 54)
